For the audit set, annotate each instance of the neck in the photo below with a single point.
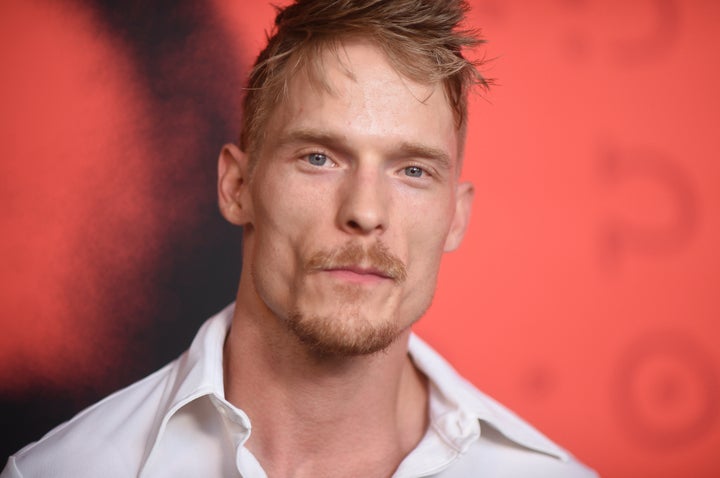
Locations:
(322, 416)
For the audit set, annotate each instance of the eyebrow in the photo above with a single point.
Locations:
(311, 136)
(404, 150)
(416, 150)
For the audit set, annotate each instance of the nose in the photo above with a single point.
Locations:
(364, 203)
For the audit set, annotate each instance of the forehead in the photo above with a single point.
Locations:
(354, 92)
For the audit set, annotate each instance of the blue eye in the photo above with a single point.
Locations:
(414, 171)
(317, 159)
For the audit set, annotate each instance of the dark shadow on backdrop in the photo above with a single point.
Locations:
(186, 65)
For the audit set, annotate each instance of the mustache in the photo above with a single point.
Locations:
(376, 258)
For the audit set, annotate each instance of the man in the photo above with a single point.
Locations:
(346, 185)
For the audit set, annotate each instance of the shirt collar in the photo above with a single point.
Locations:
(199, 372)
(196, 373)
(473, 405)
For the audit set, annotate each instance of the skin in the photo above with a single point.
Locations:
(372, 163)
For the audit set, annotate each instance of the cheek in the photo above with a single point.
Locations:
(288, 212)
(428, 223)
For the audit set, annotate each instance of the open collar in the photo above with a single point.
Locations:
(471, 404)
(199, 372)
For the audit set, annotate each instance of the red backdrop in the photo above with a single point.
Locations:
(586, 295)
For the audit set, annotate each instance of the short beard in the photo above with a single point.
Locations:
(342, 336)
(347, 332)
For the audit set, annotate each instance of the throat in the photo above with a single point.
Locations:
(325, 416)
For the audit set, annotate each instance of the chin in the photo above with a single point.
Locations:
(343, 335)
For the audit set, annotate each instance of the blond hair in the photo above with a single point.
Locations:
(423, 40)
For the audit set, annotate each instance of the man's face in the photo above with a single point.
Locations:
(351, 203)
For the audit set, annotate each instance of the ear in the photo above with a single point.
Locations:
(463, 206)
(233, 194)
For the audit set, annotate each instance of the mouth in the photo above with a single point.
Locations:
(358, 274)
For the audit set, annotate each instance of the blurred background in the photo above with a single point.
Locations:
(586, 296)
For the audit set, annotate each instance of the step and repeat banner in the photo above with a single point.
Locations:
(586, 295)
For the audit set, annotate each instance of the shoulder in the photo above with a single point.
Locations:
(496, 456)
(107, 439)
(496, 439)
(115, 436)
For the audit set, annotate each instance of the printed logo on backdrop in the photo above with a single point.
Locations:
(656, 208)
(666, 390)
(656, 22)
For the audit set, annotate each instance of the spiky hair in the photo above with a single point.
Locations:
(423, 39)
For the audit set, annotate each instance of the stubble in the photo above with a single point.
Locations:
(349, 332)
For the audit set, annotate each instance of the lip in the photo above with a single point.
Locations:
(357, 274)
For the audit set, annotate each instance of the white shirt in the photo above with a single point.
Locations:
(177, 423)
